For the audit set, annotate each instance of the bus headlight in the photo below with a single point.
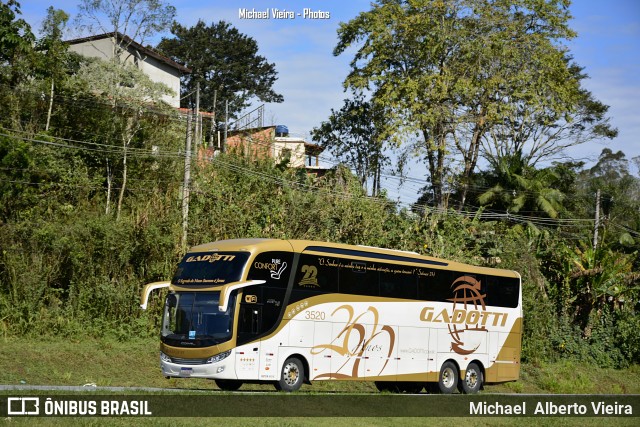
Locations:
(165, 358)
(219, 357)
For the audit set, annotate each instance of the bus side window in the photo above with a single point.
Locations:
(250, 320)
(436, 287)
(256, 319)
(398, 286)
(502, 291)
(357, 280)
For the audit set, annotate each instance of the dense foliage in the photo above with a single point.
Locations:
(70, 265)
(463, 79)
(225, 64)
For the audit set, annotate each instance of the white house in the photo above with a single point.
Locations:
(159, 68)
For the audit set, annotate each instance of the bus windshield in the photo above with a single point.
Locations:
(210, 268)
(193, 319)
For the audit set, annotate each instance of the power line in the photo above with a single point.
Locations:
(483, 215)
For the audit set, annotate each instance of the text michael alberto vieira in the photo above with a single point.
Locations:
(274, 13)
(550, 408)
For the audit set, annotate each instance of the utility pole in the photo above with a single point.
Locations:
(185, 184)
(226, 126)
(213, 120)
(595, 228)
(198, 127)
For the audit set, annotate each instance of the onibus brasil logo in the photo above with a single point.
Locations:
(469, 313)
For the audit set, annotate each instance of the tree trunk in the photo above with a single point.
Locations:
(46, 128)
(126, 140)
(109, 180)
(436, 151)
(470, 160)
(124, 178)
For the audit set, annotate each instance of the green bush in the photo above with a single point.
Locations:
(71, 269)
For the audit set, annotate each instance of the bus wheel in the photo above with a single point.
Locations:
(292, 375)
(472, 382)
(228, 385)
(448, 380)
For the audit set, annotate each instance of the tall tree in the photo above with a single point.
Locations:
(129, 100)
(564, 115)
(127, 20)
(138, 19)
(225, 63)
(55, 52)
(15, 33)
(16, 41)
(452, 70)
(351, 134)
(619, 203)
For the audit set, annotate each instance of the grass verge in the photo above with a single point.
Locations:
(134, 363)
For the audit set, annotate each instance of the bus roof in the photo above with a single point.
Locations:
(340, 249)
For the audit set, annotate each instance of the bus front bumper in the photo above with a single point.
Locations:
(214, 367)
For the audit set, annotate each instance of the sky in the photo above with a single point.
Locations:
(310, 78)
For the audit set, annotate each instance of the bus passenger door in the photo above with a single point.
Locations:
(247, 356)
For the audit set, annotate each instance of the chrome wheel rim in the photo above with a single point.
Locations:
(471, 378)
(291, 373)
(448, 378)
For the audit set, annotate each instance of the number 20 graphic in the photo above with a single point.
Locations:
(342, 347)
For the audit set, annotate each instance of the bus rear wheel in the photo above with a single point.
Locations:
(228, 385)
(291, 376)
(473, 379)
(448, 379)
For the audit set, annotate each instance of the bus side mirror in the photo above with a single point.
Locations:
(146, 291)
(226, 290)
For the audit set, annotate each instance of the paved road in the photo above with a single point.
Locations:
(93, 387)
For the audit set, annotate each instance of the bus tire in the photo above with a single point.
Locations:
(448, 379)
(228, 385)
(291, 375)
(473, 379)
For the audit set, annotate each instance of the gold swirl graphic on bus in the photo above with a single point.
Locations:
(466, 293)
(340, 343)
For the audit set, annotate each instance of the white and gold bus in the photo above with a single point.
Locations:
(289, 312)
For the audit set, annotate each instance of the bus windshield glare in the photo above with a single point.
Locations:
(193, 319)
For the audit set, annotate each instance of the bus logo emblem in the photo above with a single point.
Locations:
(466, 293)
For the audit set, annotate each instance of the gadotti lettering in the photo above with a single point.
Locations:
(464, 317)
(211, 258)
